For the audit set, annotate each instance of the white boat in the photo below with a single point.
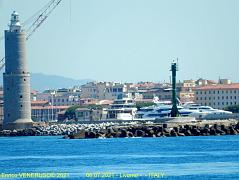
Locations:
(191, 110)
(206, 112)
(122, 109)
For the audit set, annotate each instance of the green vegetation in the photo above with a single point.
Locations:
(70, 112)
(232, 108)
(94, 107)
(144, 104)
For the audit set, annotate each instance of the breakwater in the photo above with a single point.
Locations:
(59, 129)
(158, 130)
(130, 129)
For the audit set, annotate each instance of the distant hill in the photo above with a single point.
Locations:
(41, 81)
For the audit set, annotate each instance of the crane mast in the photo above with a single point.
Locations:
(42, 17)
(44, 14)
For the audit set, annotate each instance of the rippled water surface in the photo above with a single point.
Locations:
(214, 157)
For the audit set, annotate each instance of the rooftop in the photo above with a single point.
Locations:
(219, 87)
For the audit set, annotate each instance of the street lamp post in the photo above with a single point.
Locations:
(52, 112)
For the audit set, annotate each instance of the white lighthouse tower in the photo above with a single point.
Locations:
(16, 79)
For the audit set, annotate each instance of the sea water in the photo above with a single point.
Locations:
(209, 157)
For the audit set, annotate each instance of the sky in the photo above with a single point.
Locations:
(132, 40)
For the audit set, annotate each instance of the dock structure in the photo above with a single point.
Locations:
(16, 79)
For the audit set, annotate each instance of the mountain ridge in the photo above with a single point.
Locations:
(41, 81)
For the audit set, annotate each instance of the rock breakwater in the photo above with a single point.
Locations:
(129, 129)
(155, 130)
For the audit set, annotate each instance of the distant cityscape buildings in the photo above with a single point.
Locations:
(51, 104)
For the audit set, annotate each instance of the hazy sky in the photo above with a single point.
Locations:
(132, 40)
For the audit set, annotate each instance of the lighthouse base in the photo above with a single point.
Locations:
(18, 125)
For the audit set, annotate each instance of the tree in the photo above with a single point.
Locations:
(70, 112)
(94, 107)
(144, 104)
(232, 108)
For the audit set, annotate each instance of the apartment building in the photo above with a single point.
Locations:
(186, 93)
(218, 96)
(44, 111)
(103, 90)
(60, 97)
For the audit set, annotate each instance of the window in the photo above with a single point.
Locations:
(20, 96)
(197, 92)
(197, 98)
(218, 92)
(214, 92)
(24, 79)
(222, 97)
(222, 103)
(205, 98)
(205, 92)
(235, 97)
(209, 98)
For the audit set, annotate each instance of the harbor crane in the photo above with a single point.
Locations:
(36, 21)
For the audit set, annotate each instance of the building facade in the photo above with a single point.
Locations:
(60, 97)
(103, 90)
(86, 114)
(218, 96)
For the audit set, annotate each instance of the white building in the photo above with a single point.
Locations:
(103, 90)
(60, 97)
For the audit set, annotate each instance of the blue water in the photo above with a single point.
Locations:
(211, 157)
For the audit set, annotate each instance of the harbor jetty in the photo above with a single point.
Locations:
(130, 129)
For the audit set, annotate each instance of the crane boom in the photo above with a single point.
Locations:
(37, 23)
(42, 17)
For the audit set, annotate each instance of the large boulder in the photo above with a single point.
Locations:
(139, 133)
(188, 133)
(165, 126)
(80, 135)
(213, 132)
(232, 131)
(123, 133)
(173, 133)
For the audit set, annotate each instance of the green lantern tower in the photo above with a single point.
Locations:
(174, 111)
